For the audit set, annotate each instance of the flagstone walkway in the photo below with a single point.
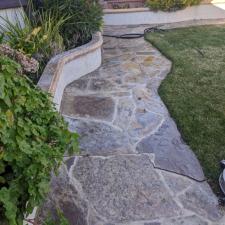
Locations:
(134, 167)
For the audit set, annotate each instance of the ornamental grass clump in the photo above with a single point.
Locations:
(85, 18)
(170, 5)
(33, 140)
(38, 37)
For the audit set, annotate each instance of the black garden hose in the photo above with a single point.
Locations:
(136, 35)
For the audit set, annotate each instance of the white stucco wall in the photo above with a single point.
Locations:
(76, 69)
(145, 16)
(70, 66)
(11, 14)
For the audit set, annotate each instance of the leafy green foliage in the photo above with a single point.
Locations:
(61, 220)
(194, 90)
(38, 37)
(170, 5)
(85, 18)
(33, 139)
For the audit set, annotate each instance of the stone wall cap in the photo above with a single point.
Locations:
(50, 77)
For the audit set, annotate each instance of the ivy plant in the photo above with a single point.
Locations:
(33, 140)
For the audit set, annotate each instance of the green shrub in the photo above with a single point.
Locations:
(85, 18)
(60, 219)
(33, 139)
(170, 5)
(39, 38)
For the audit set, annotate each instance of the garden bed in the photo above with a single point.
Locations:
(34, 136)
(136, 16)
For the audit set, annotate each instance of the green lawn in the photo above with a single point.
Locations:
(194, 91)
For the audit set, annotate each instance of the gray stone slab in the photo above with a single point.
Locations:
(121, 190)
(80, 84)
(112, 72)
(153, 223)
(143, 123)
(99, 138)
(135, 78)
(131, 67)
(116, 59)
(171, 153)
(102, 84)
(175, 182)
(89, 107)
(125, 110)
(136, 223)
(65, 198)
(121, 94)
(149, 100)
(201, 200)
(189, 220)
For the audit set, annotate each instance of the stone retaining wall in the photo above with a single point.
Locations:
(69, 66)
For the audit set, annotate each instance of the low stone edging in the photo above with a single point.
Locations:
(137, 16)
(69, 66)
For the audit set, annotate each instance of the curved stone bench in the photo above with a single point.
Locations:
(69, 66)
(213, 10)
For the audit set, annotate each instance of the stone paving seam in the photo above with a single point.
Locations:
(94, 120)
(183, 175)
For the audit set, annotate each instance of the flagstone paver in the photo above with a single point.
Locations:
(100, 139)
(96, 107)
(134, 167)
(171, 153)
